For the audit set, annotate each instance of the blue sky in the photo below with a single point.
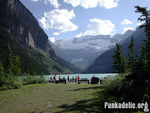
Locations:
(64, 19)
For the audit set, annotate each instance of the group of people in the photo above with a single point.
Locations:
(68, 79)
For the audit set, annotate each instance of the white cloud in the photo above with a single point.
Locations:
(52, 2)
(93, 3)
(99, 27)
(56, 33)
(34, 0)
(59, 19)
(52, 39)
(139, 23)
(126, 22)
(125, 29)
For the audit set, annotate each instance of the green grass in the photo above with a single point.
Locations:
(55, 98)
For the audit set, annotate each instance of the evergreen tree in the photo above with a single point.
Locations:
(10, 65)
(13, 70)
(17, 67)
(131, 55)
(34, 74)
(145, 16)
(2, 74)
(138, 81)
(119, 60)
(14, 63)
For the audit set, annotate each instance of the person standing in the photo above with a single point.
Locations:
(54, 79)
(50, 79)
(68, 78)
(78, 78)
(59, 78)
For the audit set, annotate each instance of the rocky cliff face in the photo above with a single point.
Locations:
(22, 25)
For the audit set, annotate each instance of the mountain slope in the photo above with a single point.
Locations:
(69, 66)
(84, 50)
(21, 31)
(103, 64)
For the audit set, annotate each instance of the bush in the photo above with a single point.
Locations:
(30, 80)
(114, 84)
(12, 83)
(33, 80)
(94, 80)
(41, 79)
(17, 84)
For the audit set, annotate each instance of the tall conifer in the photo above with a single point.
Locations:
(119, 60)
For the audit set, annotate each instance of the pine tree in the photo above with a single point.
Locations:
(145, 16)
(119, 60)
(17, 67)
(2, 75)
(140, 77)
(131, 55)
(10, 65)
(13, 69)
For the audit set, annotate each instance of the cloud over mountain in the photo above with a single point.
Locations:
(99, 27)
(59, 20)
(52, 2)
(93, 3)
(126, 22)
(125, 29)
(52, 39)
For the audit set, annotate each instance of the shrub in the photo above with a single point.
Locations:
(30, 80)
(12, 83)
(114, 84)
(17, 84)
(33, 80)
(41, 79)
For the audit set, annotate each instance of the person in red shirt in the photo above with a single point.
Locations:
(51, 78)
(59, 78)
(78, 78)
(54, 78)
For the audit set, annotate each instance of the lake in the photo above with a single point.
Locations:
(88, 76)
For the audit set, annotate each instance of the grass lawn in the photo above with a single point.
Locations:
(55, 98)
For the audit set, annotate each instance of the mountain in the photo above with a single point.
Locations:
(84, 50)
(69, 66)
(21, 31)
(103, 64)
(22, 25)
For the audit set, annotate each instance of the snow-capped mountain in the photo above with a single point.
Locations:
(84, 50)
(103, 63)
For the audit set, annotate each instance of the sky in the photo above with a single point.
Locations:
(65, 19)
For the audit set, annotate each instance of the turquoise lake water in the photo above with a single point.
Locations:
(88, 76)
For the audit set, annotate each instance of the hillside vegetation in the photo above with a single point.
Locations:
(31, 60)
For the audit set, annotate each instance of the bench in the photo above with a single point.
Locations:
(83, 80)
(61, 81)
(73, 81)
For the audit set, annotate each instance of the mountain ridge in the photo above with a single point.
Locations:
(84, 50)
(23, 26)
(20, 29)
(103, 63)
